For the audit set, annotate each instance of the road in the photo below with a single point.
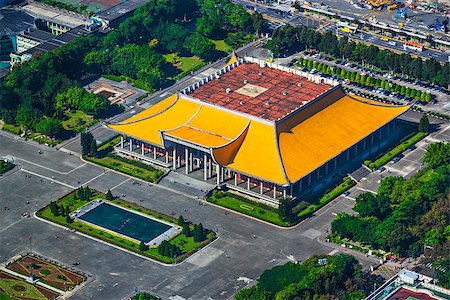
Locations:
(283, 17)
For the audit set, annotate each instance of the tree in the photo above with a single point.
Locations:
(69, 219)
(258, 22)
(93, 148)
(186, 230)
(86, 141)
(199, 45)
(437, 154)
(143, 246)
(428, 97)
(181, 221)
(49, 126)
(368, 204)
(424, 124)
(285, 210)
(109, 195)
(199, 233)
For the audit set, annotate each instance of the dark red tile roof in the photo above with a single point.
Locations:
(403, 294)
(272, 104)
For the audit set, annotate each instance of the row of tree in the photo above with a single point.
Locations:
(198, 233)
(59, 210)
(365, 79)
(405, 214)
(319, 277)
(288, 39)
(83, 193)
(169, 250)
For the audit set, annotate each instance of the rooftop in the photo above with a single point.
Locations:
(407, 294)
(119, 10)
(38, 35)
(58, 41)
(14, 22)
(265, 93)
(279, 153)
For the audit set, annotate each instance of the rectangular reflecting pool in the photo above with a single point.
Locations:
(125, 222)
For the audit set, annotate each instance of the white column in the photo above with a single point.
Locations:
(248, 183)
(284, 193)
(205, 168)
(174, 158)
(209, 168)
(178, 161)
(142, 149)
(154, 152)
(261, 188)
(167, 156)
(274, 192)
(222, 174)
(218, 173)
(235, 178)
(191, 164)
(121, 141)
(131, 145)
(186, 160)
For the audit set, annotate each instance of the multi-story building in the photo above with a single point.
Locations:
(260, 128)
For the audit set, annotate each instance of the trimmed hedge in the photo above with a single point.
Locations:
(395, 151)
(328, 197)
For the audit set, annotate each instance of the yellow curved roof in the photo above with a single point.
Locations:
(155, 109)
(148, 129)
(257, 155)
(211, 127)
(256, 148)
(329, 132)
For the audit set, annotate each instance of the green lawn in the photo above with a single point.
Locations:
(3, 296)
(395, 151)
(15, 129)
(78, 121)
(10, 286)
(148, 174)
(187, 245)
(222, 46)
(124, 165)
(256, 210)
(183, 63)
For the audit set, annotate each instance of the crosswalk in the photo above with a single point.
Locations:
(438, 268)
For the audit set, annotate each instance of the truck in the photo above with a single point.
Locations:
(392, 43)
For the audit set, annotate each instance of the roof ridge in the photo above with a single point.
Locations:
(280, 159)
(374, 104)
(153, 115)
(162, 132)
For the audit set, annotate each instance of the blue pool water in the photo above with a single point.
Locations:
(125, 222)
